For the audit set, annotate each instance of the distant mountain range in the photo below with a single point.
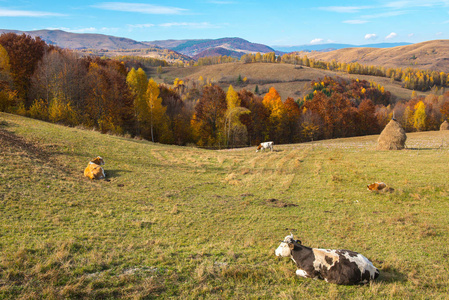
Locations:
(225, 46)
(80, 41)
(235, 47)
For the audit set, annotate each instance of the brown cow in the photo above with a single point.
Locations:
(377, 186)
(94, 169)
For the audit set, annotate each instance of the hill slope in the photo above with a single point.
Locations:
(431, 55)
(80, 41)
(288, 80)
(176, 222)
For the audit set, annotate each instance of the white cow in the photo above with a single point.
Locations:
(266, 145)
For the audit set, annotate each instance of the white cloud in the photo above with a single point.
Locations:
(355, 22)
(416, 3)
(141, 8)
(56, 28)
(438, 33)
(316, 41)
(202, 25)
(391, 36)
(85, 30)
(5, 12)
(131, 26)
(344, 9)
(411, 34)
(221, 2)
(370, 36)
(385, 14)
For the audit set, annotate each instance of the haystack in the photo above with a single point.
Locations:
(393, 137)
(444, 126)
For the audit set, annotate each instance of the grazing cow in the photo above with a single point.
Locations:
(94, 169)
(334, 266)
(377, 186)
(266, 145)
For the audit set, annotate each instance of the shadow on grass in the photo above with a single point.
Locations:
(114, 173)
(390, 275)
(417, 149)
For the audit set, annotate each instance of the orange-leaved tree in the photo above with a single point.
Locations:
(24, 53)
(278, 120)
(7, 94)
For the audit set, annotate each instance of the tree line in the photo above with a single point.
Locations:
(112, 96)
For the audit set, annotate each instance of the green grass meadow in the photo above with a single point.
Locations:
(189, 223)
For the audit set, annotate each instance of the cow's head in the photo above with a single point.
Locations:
(98, 161)
(286, 246)
(258, 148)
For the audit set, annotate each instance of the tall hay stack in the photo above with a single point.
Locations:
(393, 137)
(444, 125)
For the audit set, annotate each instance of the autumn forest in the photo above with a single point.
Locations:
(116, 96)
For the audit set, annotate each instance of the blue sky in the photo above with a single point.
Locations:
(284, 23)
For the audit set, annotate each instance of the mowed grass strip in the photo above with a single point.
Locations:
(193, 223)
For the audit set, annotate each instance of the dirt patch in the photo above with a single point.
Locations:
(278, 203)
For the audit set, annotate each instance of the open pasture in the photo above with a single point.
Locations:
(191, 223)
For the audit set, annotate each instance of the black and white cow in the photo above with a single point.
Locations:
(334, 266)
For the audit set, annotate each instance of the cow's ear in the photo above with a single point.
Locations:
(298, 242)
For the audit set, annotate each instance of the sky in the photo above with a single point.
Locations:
(273, 23)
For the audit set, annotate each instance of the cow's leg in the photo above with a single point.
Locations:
(302, 273)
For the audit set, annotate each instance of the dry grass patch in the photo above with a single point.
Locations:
(178, 222)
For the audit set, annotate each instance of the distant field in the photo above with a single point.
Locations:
(179, 222)
(429, 55)
(288, 80)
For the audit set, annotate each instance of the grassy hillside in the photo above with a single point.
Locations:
(430, 55)
(288, 80)
(191, 223)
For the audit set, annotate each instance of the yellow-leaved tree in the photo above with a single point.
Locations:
(420, 116)
(157, 118)
(138, 83)
(236, 132)
(408, 118)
